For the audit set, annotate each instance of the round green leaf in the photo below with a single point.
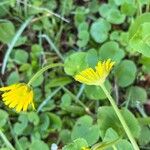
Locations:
(111, 50)
(75, 63)
(84, 128)
(125, 73)
(99, 30)
(13, 78)
(112, 14)
(7, 31)
(21, 56)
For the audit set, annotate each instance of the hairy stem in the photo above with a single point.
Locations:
(41, 71)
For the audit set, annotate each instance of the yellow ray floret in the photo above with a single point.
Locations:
(90, 76)
(18, 96)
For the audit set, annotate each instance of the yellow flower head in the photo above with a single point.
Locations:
(18, 96)
(98, 76)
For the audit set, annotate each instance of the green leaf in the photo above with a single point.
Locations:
(125, 73)
(99, 30)
(83, 38)
(145, 61)
(75, 63)
(3, 117)
(33, 118)
(107, 118)
(55, 121)
(136, 94)
(115, 16)
(84, 128)
(13, 78)
(128, 8)
(110, 135)
(44, 121)
(7, 31)
(80, 15)
(77, 144)
(139, 35)
(134, 28)
(92, 58)
(144, 137)
(65, 101)
(38, 145)
(65, 136)
(36, 50)
(95, 92)
(21, 56)
(120, 144)
(20, 126)
(111, 50)
(111, 13)
(23, 142)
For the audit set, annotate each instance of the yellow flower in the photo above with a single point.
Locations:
(18, 96)
(98, 76)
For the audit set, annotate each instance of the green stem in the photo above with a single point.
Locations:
(9, 145)
(41, 71)
(117, 111)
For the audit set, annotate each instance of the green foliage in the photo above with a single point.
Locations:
(99, 30)
(95, 92)
(13, 78)
(83, 32)
(139, 35)
(76, 144)
(121, 144)
(5, 28)
(3, 118)
(108, 119)
(75, 63)
(84, 128)
(38, 145)
(111, 50)
(136, 95)
(21, 56)
(125, 73)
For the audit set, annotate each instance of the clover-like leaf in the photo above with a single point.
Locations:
(84, 128)
(75, 63)
(111, 50)
(125, 73)
(99, 30)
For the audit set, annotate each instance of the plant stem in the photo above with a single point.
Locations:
(41, 71)
(117, 111)
(9, 145)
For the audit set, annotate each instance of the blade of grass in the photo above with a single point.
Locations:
(53, 46)
(48, 99)
(13, 42)
(7, 143)
(46, 10)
